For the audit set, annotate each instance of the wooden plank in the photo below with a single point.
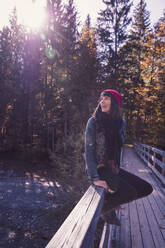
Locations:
(112, 239)
(144, 215)
(161, 152)
(106, 235)
(158, 190)
(117, 243)
(62, 232)
(154, 159)
(136, 237)
(64, 229)
(157, 193)
(161, 177)
(125, 231)
(148, 175)
(144, 226)
(77, 236)
(160, 218)
(87, 205)
(140, 145)
(159, 163)
(155, 231)
(82, 224)
(151, 177)
(159, 200)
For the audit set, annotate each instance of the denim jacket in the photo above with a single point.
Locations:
(90, 147)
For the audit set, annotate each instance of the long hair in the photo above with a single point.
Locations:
(110, 123)
(114, 113)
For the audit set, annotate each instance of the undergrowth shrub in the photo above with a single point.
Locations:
(68, 158)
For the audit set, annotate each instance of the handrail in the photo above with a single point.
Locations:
(79, 227)
(154, 158)
(158, 151)
(78, 230)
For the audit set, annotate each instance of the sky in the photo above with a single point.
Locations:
(31, 11)
(92, 7)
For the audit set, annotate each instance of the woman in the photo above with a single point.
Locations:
(103, 141)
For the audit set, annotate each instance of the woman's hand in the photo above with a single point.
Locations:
(101, 183)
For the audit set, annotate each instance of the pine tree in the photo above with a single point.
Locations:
(153, 75)
(131, 70)
(86, 76)
(61, 42)
(53, 72)
(70, 35)
(112, 26)
(14, 82)
(5, 80)
(139, 32)
(157, 86)
(31, 78)
(69, 54)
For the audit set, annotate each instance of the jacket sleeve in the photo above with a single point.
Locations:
(90, 149)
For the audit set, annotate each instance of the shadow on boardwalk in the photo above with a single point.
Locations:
(33, 205)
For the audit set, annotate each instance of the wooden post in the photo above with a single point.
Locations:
(148, 154)
(163, 160)
(143, 155)
(154, 155)
(106, 235)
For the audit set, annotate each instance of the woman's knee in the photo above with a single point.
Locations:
(131, 194)
(127, 192)
(148, 189)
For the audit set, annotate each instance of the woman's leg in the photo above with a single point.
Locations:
(124, 194)
(142, 187)
(130, 188)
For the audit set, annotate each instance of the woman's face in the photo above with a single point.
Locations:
(105, 103)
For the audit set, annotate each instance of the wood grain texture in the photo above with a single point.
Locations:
(75, 227)
(125, 231)
(106, 236)
(144, 152)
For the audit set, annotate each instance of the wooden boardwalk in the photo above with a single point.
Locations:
(143, 220)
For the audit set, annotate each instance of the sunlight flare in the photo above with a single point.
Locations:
(31, 13)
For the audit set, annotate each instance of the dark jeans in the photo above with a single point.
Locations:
(130, 188)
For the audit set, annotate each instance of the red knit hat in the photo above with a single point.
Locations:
(115, 93)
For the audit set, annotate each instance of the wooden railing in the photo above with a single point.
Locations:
(79, 228)
(154, 158)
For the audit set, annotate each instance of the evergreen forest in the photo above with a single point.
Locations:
(51, 79)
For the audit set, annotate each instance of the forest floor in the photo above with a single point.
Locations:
(33, 202)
